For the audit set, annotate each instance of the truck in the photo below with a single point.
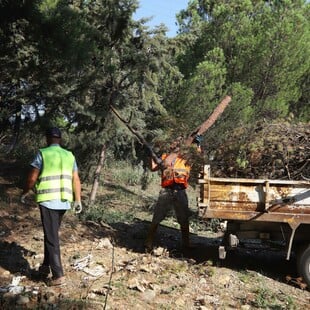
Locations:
(260, 210)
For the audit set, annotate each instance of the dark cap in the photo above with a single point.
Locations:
(53, 132)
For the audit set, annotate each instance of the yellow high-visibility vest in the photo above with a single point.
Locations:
(55, 180)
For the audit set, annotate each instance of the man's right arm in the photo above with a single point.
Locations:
(31, 181)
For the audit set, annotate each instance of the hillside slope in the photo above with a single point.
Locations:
(106, 267)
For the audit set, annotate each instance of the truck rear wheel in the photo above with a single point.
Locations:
(303, 264)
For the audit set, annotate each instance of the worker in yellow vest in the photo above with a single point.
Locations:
(55, 180)
(174, 181)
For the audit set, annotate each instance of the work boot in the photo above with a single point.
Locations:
(41, 274)
(60, 281)
(148, 244)
(44, 271)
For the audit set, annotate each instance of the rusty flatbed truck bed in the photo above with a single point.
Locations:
(275, 210)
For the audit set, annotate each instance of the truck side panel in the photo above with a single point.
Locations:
(255, 200)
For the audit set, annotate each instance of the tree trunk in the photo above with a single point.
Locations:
(210, 121)
(16, 133)
(94, 189)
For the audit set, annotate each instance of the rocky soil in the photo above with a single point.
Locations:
(106, 267)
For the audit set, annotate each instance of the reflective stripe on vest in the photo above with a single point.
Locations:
(55, 180)
(178, 173)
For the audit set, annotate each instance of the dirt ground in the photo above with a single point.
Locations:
(106, 267)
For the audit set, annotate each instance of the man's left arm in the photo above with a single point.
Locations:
(76, 184)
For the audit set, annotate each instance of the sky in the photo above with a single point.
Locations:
(162, 11)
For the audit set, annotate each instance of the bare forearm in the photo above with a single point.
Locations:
(76, 186)
(153, 165)
(31, 180)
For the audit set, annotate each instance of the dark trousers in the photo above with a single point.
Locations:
(51, 220)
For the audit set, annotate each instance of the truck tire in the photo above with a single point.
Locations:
(303, 264)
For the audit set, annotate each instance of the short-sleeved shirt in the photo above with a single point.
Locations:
(54, 204)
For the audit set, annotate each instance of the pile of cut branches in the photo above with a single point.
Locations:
(278, 150)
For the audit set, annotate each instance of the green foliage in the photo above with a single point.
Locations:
(125, 174)
(65, 62)
(99, 213)
(48, 5)
(265, 47)
(266, 300)
(200, 92)
(39, 56)
(122, 197)
(125, 73)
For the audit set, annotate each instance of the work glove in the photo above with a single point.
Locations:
(23, 198)
(198, 139)
(77, 207)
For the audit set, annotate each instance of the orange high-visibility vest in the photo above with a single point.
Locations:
(177, 173)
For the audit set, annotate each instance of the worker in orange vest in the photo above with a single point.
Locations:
(174, 181)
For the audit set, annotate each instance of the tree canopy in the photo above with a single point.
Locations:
(66, 62)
